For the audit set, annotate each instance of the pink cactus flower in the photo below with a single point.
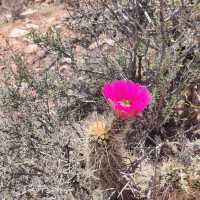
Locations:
(126, 98)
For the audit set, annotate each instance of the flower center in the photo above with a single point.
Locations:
(125, 103)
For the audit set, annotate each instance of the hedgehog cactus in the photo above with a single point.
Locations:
(106, 137)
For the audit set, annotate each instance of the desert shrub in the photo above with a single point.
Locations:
(155, 43)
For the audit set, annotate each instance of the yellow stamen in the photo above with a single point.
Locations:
(125, 103)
